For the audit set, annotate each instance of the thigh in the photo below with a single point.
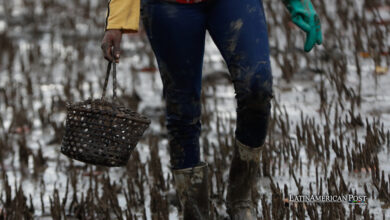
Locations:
(239, 30)
(177, 36)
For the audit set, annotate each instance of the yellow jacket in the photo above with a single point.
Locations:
(123, 14)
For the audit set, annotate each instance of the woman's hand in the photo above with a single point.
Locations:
(111, 45)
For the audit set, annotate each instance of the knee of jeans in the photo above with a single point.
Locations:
(181, 96)
(258, 101)
(256, 95)
(183, 107)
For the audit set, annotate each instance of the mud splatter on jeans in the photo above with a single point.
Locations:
(177, 35)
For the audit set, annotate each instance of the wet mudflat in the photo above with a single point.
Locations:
(329, 132)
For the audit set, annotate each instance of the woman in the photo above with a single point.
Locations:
(176, 30)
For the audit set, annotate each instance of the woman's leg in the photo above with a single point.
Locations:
(177, 36)
(239, 30)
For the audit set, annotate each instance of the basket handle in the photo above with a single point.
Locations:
(113, 80)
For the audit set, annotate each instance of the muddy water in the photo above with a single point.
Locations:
(329, 132)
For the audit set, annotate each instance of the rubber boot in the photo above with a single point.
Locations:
(193, 191)
(242, 194)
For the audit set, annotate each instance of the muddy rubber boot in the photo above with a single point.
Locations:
(242, 193)
(193, 191)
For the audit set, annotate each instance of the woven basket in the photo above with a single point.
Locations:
(100, 132)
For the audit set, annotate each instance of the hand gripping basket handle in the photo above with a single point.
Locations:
(113, 81)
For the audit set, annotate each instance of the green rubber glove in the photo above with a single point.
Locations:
(305, 17)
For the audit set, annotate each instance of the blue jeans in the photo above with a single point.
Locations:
(177, 36)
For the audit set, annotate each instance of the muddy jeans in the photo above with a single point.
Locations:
(177, 36)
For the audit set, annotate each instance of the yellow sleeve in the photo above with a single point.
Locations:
(123, 14)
